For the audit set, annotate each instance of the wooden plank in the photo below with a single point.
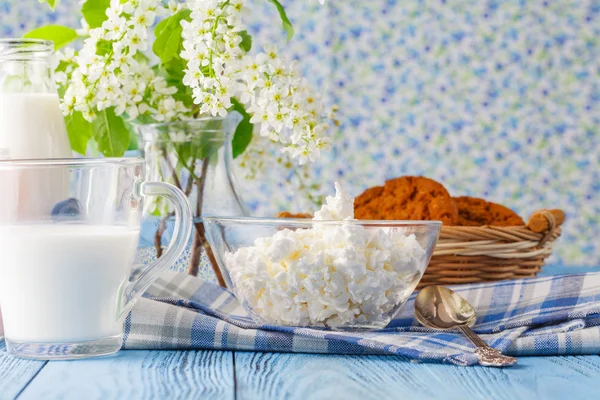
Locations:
(138, 375)
(285, 376)
(574, 377)
(549, 270)
(302, 376)
(15, 373)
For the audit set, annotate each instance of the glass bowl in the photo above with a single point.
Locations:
(339, 275)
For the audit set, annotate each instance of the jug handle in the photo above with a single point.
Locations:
(132, 291)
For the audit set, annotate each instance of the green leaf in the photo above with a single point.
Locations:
(172, 71)
(287, 25)
(60, 35)
(103, 47)
(141, 57)
(94, 12)
(173, 20)
(200, 147)
(168, 43)
(243, 133)
(62, 67)
(144, 119)
(166, 46)
(203, 149)
(184, 93)
(133, 139)
(79, 131)
(160, 26)
(110, 133)
(246, 43)
(51, 3)
(174, 68)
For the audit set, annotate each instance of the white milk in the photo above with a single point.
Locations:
(61, 283)
(32, 126)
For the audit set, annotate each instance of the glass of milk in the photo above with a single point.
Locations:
(67, 279)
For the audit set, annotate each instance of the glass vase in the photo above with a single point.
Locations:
(196, 156)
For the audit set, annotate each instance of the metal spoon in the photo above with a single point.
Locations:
(438, 307)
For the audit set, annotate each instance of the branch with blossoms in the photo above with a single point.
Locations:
(205, 67)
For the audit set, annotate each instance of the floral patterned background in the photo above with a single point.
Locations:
(499, 99)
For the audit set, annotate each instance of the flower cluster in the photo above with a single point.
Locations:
(276, 95)
(284, 105)
(111, 72)
(212, 51)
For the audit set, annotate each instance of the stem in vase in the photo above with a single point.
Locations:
(158, 236)
(173, 171)
(162, 226)
(200, 241)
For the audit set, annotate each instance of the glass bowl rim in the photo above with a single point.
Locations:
(310, 222)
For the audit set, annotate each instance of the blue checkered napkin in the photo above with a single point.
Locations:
(544, 316)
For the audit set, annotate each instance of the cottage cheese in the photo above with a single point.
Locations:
(330, 275)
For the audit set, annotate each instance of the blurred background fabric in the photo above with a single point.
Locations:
(495, 99)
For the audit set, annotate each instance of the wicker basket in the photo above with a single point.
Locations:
(490, 253)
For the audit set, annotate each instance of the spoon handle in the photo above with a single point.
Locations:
(488, 356)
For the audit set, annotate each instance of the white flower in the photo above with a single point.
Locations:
(113, 77)
(174, 7)
(144, 18)
(114, 27)
(67, 55)
(107, 73)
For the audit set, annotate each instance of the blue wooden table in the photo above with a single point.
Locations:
(243, 375)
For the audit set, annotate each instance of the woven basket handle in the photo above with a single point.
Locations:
(546, 221)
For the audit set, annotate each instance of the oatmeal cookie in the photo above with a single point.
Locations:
(407, 198)
(361, 204)
(478, 212)
(286, 214)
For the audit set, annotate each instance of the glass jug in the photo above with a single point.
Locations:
(67, 280)
(31, 123)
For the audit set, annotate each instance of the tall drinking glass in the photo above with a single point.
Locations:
(66, 274)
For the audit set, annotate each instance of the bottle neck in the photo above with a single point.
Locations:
(26, 66)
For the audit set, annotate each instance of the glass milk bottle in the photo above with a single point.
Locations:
(3, 156)
(31, 126)
(31, 123)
